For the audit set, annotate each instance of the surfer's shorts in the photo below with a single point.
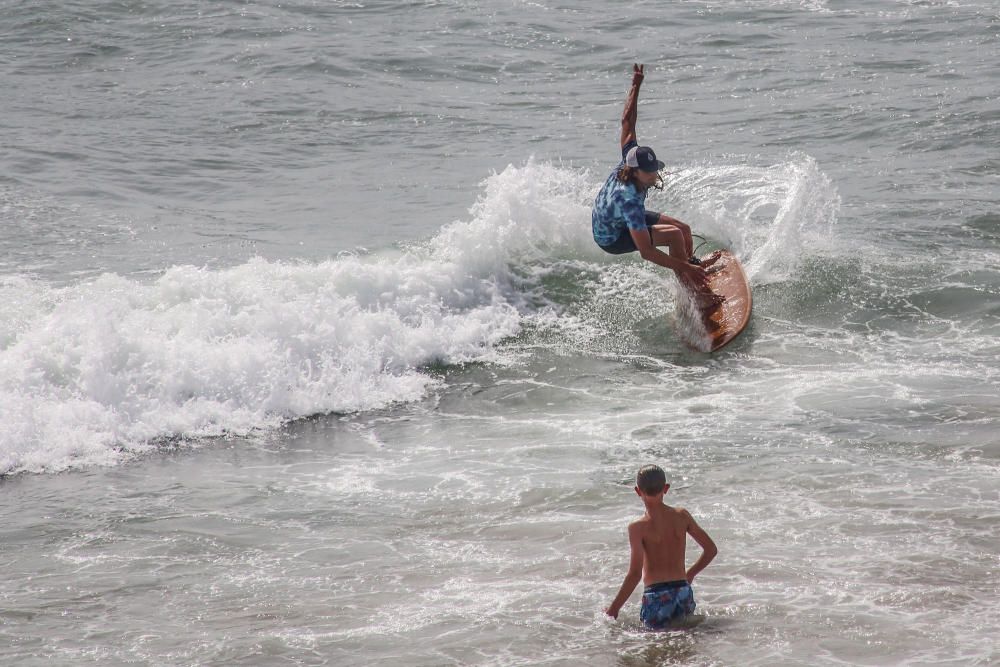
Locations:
(624, 243)
(666, 603)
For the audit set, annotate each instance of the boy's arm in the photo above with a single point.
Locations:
(708, 548)
(634, 570)
(631, 106)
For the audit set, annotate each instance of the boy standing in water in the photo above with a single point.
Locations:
(657, 541)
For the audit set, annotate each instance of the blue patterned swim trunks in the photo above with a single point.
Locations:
(666, 603)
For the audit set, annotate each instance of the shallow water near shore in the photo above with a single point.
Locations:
(309, 358)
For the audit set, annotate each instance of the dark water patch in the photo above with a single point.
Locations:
(985, 226)
(309, 66)
(822, 292)
(902, 66)
(765, 15)
(988, 167)
(742, 41)
(953, 301)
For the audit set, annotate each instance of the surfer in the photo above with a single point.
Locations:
(657, 542)
(621, 223)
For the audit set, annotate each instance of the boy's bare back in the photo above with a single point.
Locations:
(663, 533)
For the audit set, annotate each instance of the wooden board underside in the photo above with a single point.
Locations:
(734, 314)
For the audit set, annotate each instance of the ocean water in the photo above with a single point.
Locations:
(307, 356)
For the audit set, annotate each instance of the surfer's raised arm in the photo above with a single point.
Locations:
(631, 111)
(621, 223)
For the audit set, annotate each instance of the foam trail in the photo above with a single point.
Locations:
(766, 215)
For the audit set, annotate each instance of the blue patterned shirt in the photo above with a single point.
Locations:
(618, 206)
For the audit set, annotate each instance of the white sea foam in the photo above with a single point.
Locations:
(113, 364)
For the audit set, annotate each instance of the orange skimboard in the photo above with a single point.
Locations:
(734, 313)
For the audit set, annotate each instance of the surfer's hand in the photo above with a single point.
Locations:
(612, 613)
(637, 74)
(692, 273)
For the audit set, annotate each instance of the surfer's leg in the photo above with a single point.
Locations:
(670, 236)
(673, 238)
(685, 229)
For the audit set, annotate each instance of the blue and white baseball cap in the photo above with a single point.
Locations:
(644, 159)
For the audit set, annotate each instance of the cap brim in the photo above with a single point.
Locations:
(659, 165)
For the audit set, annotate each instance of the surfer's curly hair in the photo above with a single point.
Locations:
(626, 174)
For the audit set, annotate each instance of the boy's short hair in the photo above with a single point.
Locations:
(651, 479)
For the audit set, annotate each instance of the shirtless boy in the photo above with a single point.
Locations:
(657, 541)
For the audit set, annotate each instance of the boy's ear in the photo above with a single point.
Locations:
(638, 492)
(666, 487)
